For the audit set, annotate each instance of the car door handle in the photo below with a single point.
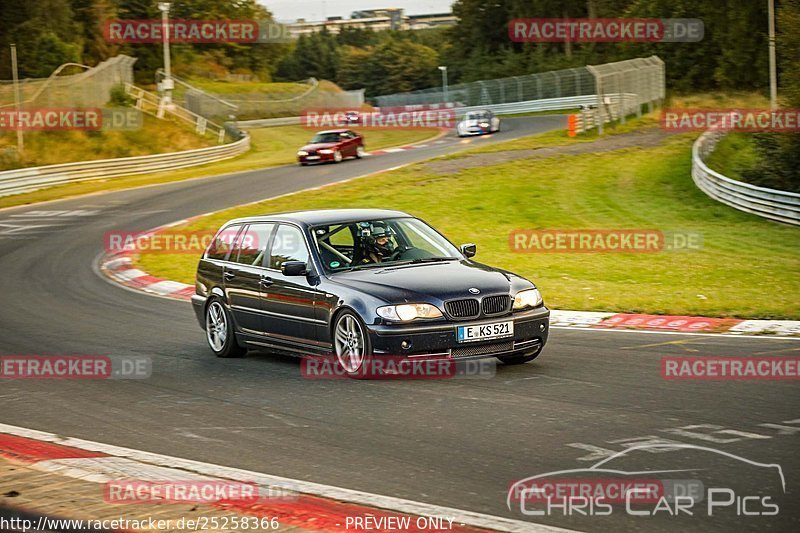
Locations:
(228, 275)
(266, 282)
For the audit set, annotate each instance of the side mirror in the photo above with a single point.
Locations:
(469, 250)
(294, 268)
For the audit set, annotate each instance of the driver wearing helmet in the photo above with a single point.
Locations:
(379, 245)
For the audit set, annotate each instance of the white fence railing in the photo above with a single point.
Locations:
(773, 204)
(153, 104)
(31, 179)
(612, 108)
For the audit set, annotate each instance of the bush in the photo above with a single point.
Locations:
(119, 97)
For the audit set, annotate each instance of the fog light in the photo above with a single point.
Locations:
(405, 345)
(542, 326)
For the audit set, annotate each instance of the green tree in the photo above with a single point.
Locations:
(779, 153)
(315, 55)
(400, 65)
(353, 68)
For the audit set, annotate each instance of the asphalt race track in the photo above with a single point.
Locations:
(457, 443)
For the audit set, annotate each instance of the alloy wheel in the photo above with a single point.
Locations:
(349, 343)
(216, 326)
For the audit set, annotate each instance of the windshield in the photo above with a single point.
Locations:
(326, 138)
(477, 116)
(371, 243)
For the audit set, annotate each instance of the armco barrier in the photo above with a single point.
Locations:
(531, 106)
(30, 179)
(773, 204)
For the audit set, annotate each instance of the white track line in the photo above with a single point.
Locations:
(469, 518)
(694, 334)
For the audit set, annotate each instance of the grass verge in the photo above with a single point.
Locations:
(733, 155)
(270, 147)
(747, 267)
(54, 147)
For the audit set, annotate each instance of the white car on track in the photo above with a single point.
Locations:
(478, 123)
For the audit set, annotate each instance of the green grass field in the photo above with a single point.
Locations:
(747, 266)
(270, 90)
(270, 147)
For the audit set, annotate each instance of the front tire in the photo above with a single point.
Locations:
(337, 156)
(351, 345)
(219, 331)
(360, 152)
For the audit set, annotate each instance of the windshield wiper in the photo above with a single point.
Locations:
(431, 260)
(420, 261)
(364, 266)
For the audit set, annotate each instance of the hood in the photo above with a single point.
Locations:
(318, 146)
(429, 281)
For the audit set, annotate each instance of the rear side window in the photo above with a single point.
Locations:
(252, 245)
(289, 245)
(222, 244)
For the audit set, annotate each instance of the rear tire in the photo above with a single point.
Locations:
(219, 331)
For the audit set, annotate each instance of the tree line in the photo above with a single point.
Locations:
(732, 54)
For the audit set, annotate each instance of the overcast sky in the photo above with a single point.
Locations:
(291, 10)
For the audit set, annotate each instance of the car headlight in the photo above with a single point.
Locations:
(527, 298)
(302, 152)
(326, 151)
(406, 312)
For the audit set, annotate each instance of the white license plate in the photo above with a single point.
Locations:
(310, 157)
(483, 332)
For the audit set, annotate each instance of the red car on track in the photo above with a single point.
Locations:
(332, 145)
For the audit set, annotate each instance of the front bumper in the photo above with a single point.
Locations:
(199, 306)
(474, 131)
(316, 158)
(531, 329)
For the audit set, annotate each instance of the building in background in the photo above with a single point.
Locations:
(391, 18)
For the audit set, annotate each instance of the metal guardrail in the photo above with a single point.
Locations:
(781, 206)
(31, 179)
(530, 106)
(533, 106)
(268, 122)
